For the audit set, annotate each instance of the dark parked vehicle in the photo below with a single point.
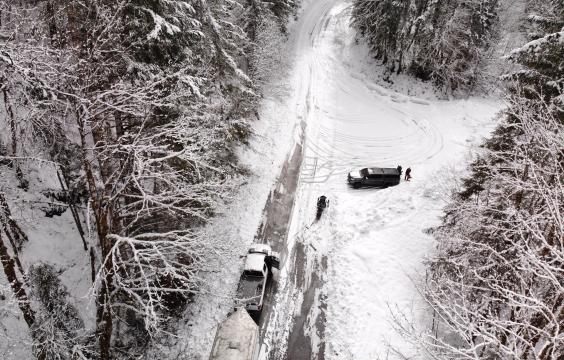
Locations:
(382, 177)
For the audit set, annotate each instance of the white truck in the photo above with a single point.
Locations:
(237, 337)
(258, 267)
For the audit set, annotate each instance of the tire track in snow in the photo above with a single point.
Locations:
(339, 136)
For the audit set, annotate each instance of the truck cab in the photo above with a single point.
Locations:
(258, 267)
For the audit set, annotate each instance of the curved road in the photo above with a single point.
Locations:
(351, 122)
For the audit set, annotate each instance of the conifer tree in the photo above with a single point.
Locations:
(442, 41)
(140, 104)
(496, 282)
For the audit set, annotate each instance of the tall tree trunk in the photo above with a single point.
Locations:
(15, 235)
(17, 287)
(104, 311)
(254, 19)
(521, 192)
(10, 224)
(11, 121)
(72, 207)
(21, 296)
(50, 13)
(11, 117)
(101, 209)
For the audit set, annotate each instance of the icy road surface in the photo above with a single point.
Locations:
(341, 275)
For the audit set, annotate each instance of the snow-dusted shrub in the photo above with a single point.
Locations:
(283, 8)
(59, 325)
(268, 48)
(545, 16)
(543, 59)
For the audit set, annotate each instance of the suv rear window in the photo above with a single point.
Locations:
(253, 273)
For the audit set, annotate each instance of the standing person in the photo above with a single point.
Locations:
(322, 203)
(399, 169)
(407, 174)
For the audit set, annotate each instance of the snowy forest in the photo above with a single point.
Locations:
(121, 129)
(446, 42)
(496, 284)
(129, 111)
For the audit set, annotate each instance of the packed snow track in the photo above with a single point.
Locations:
(342, 275)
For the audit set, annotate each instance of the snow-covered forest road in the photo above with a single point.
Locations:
(341, 276)
(148, 148)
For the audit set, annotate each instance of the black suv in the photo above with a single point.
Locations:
(382, 177)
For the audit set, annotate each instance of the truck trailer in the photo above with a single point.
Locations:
(237, 338)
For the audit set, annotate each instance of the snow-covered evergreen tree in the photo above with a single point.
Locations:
(496, 283)
(139, 105)
(542, 58)
(443, 41)
(380, 22)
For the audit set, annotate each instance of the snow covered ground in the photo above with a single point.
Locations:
(54, 241)
(369, 243)
(369, 246)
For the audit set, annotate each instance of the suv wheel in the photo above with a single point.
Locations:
(356, 185)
